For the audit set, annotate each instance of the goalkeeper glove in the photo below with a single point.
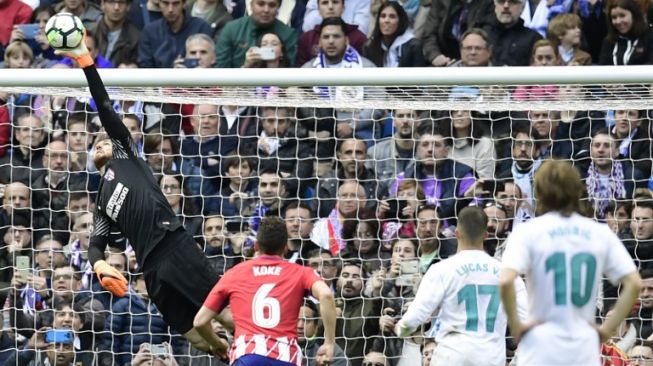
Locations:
(80, 53)
(110, 278)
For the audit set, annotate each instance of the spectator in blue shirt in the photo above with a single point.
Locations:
(163, 40)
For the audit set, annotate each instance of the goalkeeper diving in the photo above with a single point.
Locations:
(177, 274)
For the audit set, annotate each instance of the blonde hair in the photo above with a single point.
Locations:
(18, 47)
(559, 25)
(558, 187)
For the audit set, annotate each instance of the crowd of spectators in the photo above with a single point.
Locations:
(369, 197)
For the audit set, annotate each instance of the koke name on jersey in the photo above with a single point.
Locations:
(115, 202)
(266, 270)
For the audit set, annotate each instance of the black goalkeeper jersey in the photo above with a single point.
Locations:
(128, 197)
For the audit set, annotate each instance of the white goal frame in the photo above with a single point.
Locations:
(336, 77)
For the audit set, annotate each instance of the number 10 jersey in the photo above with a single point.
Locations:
(564, 259)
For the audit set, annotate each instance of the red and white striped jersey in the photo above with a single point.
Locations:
(282, 349)
(265, 295)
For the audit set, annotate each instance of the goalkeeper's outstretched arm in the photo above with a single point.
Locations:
(108, 117)
(124, 146)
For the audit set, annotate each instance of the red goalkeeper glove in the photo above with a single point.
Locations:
(110, 278)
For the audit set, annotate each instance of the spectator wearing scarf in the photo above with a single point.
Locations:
(335, 52)
(608, 179)
(327, 232)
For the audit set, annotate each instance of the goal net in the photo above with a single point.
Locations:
(369, 177)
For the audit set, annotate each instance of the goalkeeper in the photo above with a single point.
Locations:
(176, 272)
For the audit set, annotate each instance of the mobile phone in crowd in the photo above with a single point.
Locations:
(22, 263)
(29, 30)
(191, 63)
(407, 271)
(267, 53)
(159, 350)
(59, 336)
(396, 208)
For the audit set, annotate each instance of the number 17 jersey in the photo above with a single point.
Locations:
(265, 295)
(564, 259)
(471, 324)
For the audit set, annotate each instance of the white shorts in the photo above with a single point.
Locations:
(545, 345)
(466, 353)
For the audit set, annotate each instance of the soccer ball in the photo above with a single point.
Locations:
(64, 31)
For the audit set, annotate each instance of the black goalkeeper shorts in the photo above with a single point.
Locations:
(178, 278)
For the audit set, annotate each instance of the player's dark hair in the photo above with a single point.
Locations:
(557, 187)
(272, 235)
(472, 225)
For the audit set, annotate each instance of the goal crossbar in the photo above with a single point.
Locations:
(604, 87)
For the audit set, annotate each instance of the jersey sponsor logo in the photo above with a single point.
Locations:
(115, 202)
(109, 175)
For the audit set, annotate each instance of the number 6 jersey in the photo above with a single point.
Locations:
(265, 295)
(563, 259)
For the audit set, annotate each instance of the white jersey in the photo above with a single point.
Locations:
(563, 259)
(471, 318)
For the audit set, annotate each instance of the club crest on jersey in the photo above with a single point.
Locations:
(109, 175)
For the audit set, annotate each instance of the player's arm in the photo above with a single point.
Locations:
(202, 323)
(428, 298)
(630, 291)
(509, 300)
(110, 278)
(112, 124)
(323, 293)
(212, 306)
(619, 268)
